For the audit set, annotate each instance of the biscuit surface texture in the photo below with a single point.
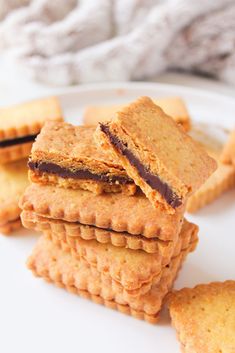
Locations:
(10, 226)
(204, 317)
(135, 270)
(13, 180)
(221, 180)
(67, 156)
(27, 118)
(55, 265)
(20, 124)
(119, 212)
(228, 154)
(166, 163)
(66, 230)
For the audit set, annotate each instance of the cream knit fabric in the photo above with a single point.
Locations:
(69, 41)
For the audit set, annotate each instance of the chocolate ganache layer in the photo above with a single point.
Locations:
(151, 179)
(52, 168)
(17, 141)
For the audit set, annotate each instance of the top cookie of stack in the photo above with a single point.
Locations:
(166, 163)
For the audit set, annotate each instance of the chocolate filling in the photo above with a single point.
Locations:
(151, 179)
(52, 168)
(129, 235)
(17, 141)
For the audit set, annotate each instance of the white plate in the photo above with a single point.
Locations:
(38, 317)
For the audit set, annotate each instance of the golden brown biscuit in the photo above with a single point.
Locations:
(135, 270)
(66, 230)
(221, 180)
(204, 317)
(67, 156)
(118, 212)
(10, 226)
(54, 265)
(228, 154)
(20, 124)
(13, 180)
(166, 163)
(31, 220)
(172, 106)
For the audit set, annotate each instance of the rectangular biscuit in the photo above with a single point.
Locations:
(20, 124)
(221, 180)
(118, 212)
(204, 317)
(134, 270)
(31, 220)
(102, 256)
(228, 153)
(172, 106)
(166, 163)
(13, 181)
(67, 156)
(54, 265)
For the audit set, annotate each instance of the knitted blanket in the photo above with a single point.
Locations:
(78, 41)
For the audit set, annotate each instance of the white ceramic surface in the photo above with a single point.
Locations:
(37, 317)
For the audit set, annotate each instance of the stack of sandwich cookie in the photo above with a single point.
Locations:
(19, 126)
(102, 237)
(131, 272)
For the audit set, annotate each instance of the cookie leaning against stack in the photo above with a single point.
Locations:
(99, 241)
(19, 126)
